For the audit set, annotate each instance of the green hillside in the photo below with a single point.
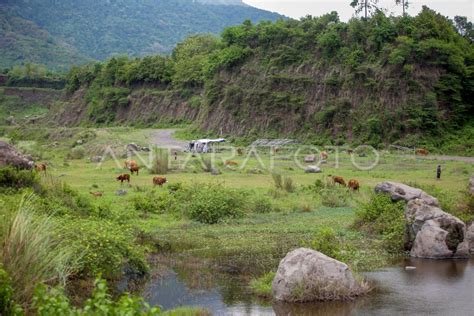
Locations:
(406, 80)
(24, 41)
(99, 29)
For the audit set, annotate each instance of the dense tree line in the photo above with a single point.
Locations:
(353, 54)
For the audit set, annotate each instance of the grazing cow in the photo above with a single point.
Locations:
(123, 177)
(324, 155)
(353, 185)
(230, 163)
(240, 151)
(339, 180)
(134, 169)
(350, 151)
(130, 163)
(422, 152)
(159, 181)
(96, 194)
(40, 167)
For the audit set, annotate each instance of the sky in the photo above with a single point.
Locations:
(300, 8)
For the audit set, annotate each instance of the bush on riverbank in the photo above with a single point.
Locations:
(383, 217)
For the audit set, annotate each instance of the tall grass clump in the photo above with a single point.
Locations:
(283, 183)
(160, 161)
(33, 253)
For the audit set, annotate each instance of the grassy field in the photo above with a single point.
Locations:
(253, 244)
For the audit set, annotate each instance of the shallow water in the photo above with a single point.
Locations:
(435, 288)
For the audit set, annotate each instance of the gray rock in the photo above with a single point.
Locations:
(145, 149)
(121, 192)
(79, 141)
(305, 275)
(96, 159)
(310, 158)
(312, 169)
(9, 156)
(400, 191)
(432, 233)
(133, 147)
(470, 237)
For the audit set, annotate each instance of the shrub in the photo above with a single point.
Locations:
(212, 203)
(263, 285)
(334, 197)
(105, 247)
(48, 302)
(160, 162)
(77, 152)
(33, 253)
(155, 202)
(14, 178)
(325, 241)
(383, 217)
(7, 303)
(262, 204)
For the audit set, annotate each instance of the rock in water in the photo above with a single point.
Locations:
(305, 275)
(9, 156)
(400, 191)
(432, 233)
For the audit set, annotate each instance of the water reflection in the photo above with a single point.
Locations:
(434, 288)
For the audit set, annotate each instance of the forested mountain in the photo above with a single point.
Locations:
(401, 80)
(23, 41)
(98, 29)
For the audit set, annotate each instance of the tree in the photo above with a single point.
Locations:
(464, 27)
(364, 5)
(404, 4)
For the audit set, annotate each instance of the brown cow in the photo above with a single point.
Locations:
(123, 177)
(422, 152)
(40, 167)
(324, 155)
(339, 180)
(240, 151)
(353, 185)
(230, 163)
(130, 163)
(350, 151)
(96, 194)
(159, 181)
(134, 169)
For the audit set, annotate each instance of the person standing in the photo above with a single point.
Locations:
(438, 172)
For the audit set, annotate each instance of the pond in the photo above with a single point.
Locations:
(435, 287)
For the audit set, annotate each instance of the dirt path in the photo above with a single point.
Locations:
(444, 158)
(164, 138)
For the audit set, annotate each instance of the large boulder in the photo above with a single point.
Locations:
(432, 233)
(305, 275)
(400, 191)
(9, 156)
(470, 237)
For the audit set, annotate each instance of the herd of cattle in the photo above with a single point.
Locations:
(133, 167)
